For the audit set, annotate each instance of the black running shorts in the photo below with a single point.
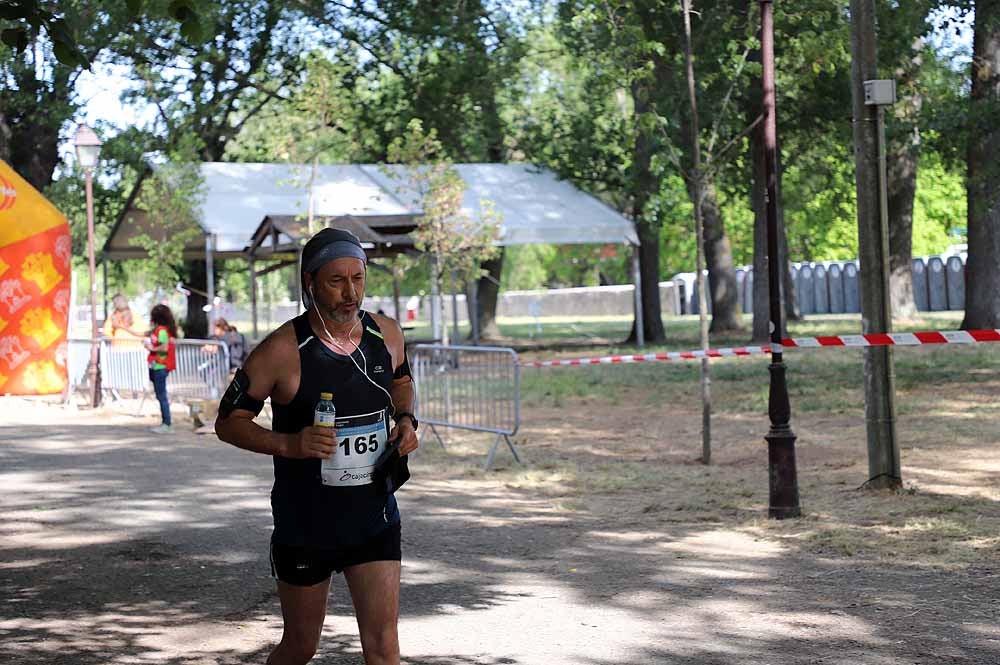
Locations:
(305, 566)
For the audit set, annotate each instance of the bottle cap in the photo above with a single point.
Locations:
(326, 396)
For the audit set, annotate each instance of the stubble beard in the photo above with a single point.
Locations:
(338, 317)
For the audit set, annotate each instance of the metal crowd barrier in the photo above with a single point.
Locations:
(202, 367)
(476, 388)
(77, 357)
(201, 373)
(124, 367)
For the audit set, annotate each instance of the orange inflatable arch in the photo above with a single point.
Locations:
(35, 251)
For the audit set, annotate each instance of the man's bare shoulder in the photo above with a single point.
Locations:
(388, 325)
(391, 332)
(277, 348)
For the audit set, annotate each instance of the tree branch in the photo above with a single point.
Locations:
(733, 141)
(725, 103)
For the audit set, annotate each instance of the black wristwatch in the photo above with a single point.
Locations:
(413, 419)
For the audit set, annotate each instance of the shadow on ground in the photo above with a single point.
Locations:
(116, 547)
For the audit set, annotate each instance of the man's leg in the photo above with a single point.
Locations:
(375, 591)
(303, 609)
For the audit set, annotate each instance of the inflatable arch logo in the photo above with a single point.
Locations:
(35, 253)
(8, 195)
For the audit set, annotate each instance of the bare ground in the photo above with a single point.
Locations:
(612, 545)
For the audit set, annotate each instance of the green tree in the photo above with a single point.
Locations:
(811, 80)
(210, 89)
(38, 97)
(25, 22)
(590, 121)
(982, 270)
(447, 63)
(171, 194)
(317, 120)
(637, 48)
(205, 91)
(456, 243)
(904, 54)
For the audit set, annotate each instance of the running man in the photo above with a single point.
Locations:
(329, 517)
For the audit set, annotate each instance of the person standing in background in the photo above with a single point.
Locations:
(234, 340)
(162, 360)
(119, 323)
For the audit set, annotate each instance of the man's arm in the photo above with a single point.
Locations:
(263, 369)
(402, 396)
(402, 386)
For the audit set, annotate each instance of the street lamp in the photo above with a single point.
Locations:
(783, 501)
(88, 147)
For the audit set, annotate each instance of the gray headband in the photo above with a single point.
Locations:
(337, 249)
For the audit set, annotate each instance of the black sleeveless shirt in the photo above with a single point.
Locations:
(307, 512)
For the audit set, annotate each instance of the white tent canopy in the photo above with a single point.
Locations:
(535, 207)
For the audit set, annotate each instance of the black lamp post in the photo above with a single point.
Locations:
(783, 499)
(88, 147)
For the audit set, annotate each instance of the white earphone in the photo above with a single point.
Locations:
(356, 347)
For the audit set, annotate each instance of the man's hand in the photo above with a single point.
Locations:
(320, 442)
(407, 436)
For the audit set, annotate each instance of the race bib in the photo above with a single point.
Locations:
(360, 441)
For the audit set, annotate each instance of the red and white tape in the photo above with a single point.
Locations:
(857, 341)
(653, 357)
(897, 339)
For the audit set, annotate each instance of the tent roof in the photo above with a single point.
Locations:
(534, 205)
(382, 237)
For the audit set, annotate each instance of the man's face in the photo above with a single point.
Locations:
(339, 288)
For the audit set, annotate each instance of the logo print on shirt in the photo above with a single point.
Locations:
(378, 369)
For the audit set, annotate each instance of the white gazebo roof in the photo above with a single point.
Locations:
(534, 205)
(238, 196)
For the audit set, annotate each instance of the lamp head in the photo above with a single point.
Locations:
(88, 147)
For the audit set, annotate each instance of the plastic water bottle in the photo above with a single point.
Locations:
(326, 413)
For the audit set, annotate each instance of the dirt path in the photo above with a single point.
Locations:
(120, 547)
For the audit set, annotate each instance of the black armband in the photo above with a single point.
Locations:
(403, 369)
(236, 396)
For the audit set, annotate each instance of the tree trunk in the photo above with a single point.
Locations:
(718, 252)
(488, 294)
(719, 261)
(31, 141)
(196, 322)
(488, 288)
(35, 153)
(649, 272)
(5, 137)
(902, 159)
(901, 178)
(646, 185)
(982, 267)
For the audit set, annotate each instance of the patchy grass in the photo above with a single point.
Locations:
(622, 443)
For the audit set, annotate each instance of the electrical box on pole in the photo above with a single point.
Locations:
(880, 92)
